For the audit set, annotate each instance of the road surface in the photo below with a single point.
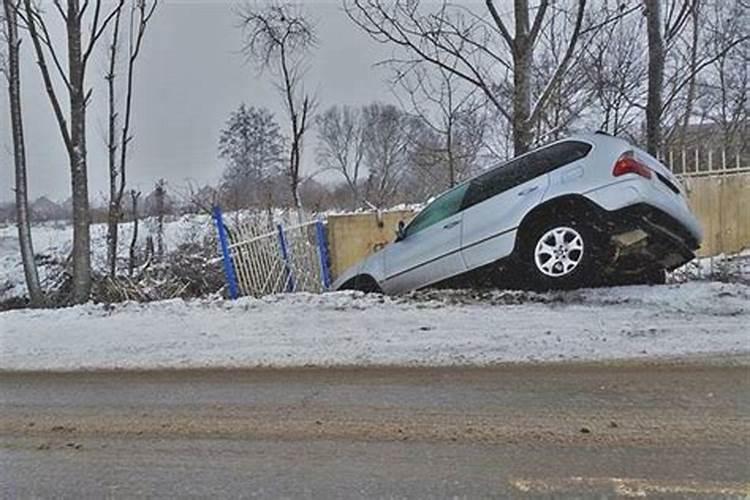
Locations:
(558, 430)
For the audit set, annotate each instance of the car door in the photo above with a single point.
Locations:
(493, 208)
(496, 202)
(431, 248)
(490, 226)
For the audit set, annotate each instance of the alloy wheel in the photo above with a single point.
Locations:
(559, 252)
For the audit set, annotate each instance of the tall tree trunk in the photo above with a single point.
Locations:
(78, 170)
(73, 130)
(19, 156)
(449, 147)
(159, 194)
(522, 59)
(691, 91)
(134, 195)
(115, 196)
(655, 75)
(294, 159)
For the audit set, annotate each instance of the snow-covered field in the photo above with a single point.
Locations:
(438, 328)
(54, 240)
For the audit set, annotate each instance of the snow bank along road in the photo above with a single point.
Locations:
(438, 328)
(666, 431)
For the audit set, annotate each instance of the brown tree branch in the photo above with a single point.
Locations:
(559, 72)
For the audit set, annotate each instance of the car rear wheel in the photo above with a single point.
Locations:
(561, 254)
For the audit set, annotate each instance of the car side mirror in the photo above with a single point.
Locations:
(401, 231)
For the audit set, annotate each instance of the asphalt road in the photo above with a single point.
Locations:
(549, 431)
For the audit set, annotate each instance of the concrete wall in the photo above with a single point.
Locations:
(354, 237)
(722, 203)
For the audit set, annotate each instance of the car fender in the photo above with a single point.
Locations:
(373, 266)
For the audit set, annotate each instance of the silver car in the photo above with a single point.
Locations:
(581, 211)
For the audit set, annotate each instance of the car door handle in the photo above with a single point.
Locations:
(452, 224)
(528, 191)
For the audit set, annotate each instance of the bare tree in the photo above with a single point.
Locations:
(723, 91)
(141, 12)
(341, 140)
(655, 75)
(199, 199)
(615, 72)
(695, 18)
(277, 39)
(386, 151)
(479, 48)
(570, 98)
(683, 58)
(80, 46)
(12, 70)
(452, 111)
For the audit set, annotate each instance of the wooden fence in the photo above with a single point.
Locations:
(722, 203)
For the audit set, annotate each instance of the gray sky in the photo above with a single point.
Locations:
(190, 77)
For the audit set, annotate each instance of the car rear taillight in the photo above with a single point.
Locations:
(628, 164)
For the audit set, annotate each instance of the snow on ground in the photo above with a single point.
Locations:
(722, 267)
(424, 329)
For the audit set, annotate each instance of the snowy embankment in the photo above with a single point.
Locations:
(439, 328)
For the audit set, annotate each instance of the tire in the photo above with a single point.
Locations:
(561, 254)
(655, 277)
(362, 283)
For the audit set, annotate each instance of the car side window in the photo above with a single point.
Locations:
(523, 169)
(446, 205)
(494, 182)
(553, 157)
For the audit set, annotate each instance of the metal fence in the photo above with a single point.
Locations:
(288, 258)
(696, 162)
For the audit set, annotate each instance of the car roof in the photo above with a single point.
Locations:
(598, 138)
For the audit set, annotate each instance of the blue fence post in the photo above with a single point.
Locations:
(325, 269)
(285, 255)
(225, 253)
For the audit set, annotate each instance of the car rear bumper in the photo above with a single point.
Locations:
(638, 196)
(664, 240)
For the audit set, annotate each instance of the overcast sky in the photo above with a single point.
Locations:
(190, 77)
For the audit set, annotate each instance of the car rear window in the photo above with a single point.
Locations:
(523, 169)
